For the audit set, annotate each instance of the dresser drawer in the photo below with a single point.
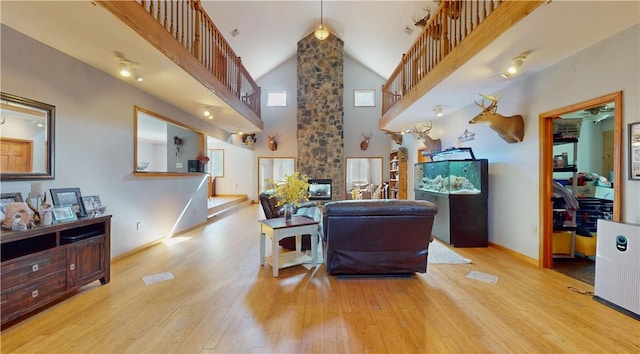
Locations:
(22, 299)
(31, 267)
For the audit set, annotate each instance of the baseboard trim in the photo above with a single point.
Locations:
(515, 254)
(152, 243)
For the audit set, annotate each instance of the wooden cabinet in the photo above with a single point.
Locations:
(44, 264)
(398, 174)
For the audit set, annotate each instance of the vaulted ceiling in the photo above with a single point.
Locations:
(373, 32)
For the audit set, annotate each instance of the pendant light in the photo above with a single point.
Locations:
(322, 32)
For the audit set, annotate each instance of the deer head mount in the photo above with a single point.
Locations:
(273, 141)
(511, 128)
(421, 21)
(396, 137)
(364, 144)
(422, 134)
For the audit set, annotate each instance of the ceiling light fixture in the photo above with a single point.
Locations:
(124, 68)
(322, 32)
(207, 112)
(437, 111)
(127, 68)
(514, 68)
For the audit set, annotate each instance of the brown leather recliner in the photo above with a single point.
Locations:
(268, 201)
(377, 237)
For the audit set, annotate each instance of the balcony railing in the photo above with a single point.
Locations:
(190, 25)
(445, 30)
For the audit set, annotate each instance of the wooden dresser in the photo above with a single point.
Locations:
(43, 264)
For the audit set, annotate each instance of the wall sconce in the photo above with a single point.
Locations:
(437, 111)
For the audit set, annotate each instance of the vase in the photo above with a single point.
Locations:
(288, 212)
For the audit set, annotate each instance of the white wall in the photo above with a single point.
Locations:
(238, 170)
(607, 67)
(94, 142)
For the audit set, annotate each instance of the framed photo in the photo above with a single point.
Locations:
(68, 197)
(64, 213)
(634, 151)
(364, 98)
(93, 205)
(8, 198)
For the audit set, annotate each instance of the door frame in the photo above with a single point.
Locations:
(545, 252)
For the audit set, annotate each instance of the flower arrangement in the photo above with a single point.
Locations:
(356, 193)
(294, 190)
(203, 159)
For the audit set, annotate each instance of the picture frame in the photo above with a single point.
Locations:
(634, 151)
(93, 205)
(364, 98)
(68, 197)
(6, 198)
(64, 213)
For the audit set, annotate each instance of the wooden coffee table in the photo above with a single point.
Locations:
(277, 229)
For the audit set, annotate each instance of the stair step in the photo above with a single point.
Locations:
(227, 208)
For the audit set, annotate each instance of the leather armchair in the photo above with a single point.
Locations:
(268, 201)
(377, 237)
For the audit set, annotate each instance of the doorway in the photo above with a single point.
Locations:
(546, 167)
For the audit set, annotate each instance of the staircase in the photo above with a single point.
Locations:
(221, 206)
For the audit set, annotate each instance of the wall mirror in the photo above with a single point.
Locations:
(364, 173)
(26, 138)
(164, 146)
(275, 169)
(599, 152)
(216, 162)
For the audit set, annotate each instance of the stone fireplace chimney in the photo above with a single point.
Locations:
(321, 110)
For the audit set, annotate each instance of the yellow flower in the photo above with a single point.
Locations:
(294, 190)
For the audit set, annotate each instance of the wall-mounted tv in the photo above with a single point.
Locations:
(320, 189)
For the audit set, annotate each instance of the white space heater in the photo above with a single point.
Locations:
(618, 267)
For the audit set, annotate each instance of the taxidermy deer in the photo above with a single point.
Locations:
(396, 137)
(364, 145)
(423, 135)
(273, 141)
(511, 129)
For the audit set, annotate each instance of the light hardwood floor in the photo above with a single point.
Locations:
(223, 301)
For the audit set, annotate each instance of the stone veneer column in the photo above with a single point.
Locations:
(321, 110)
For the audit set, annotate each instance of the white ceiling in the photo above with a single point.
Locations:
(373, 33)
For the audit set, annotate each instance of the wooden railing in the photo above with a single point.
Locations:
(187, 22)
(451, 23)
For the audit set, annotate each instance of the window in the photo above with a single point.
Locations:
(276, 98)
(364, 98)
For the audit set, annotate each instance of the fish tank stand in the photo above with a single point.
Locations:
(457, 183)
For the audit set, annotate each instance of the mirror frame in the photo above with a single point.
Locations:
(50, 143)
(545, 252)
(201, 145)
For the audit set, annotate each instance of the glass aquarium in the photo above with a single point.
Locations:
(446, 173)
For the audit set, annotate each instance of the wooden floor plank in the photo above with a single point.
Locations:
(222, 301)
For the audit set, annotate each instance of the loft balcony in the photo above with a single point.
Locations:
(182, 56)
(452, 35)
